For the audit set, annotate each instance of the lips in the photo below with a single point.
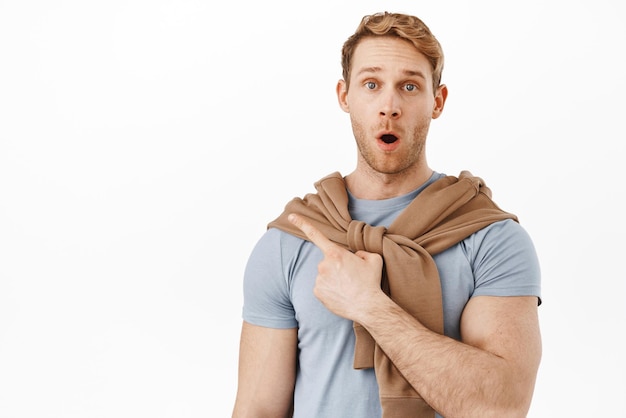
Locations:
(388, 141)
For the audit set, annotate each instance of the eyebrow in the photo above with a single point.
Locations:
(369, 70)
(410, 73)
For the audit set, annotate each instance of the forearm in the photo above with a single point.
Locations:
(456, 379)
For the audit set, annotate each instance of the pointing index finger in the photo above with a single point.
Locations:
(313, 234)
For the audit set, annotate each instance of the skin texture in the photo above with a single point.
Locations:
(492, 371)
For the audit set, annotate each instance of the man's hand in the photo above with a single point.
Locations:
(346, 282)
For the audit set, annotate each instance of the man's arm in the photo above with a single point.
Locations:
(491, 373)
(267, 372)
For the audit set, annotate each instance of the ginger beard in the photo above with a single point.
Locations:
(409, 154)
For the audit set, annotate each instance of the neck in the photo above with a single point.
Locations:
(373, 185)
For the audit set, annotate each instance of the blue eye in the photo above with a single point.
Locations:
(410, 87)
(370, 85)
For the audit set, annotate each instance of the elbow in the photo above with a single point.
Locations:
(513, 400)
(514, 403)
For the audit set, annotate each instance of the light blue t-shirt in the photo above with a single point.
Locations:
(499, 260)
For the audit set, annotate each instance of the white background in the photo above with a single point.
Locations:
(144, 145)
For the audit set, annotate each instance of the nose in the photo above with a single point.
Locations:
(390, 105)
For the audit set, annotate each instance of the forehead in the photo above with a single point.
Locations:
(389, 54)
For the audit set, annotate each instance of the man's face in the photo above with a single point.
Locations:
(391, 103)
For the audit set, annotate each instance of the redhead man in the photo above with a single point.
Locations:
(395, 290)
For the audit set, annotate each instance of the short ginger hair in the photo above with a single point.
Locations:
(398, 25)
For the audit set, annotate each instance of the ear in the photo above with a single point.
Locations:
(342, 95)
(440, 100)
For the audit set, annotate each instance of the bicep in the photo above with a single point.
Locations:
(267, 371)
(507, 327)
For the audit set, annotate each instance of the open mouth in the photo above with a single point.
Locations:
(388, 138)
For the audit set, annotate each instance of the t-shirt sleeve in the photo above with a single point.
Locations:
(505, 262)
(266, 296)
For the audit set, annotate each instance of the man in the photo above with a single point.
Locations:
(394, 291)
